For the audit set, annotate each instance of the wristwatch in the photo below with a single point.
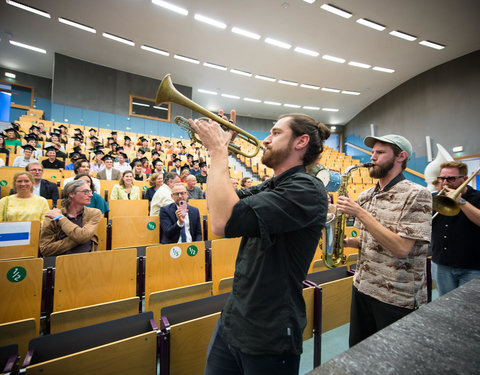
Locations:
(462, 201)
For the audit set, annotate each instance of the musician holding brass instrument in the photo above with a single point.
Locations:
(394, 219)
(456, 258)
(280, 221)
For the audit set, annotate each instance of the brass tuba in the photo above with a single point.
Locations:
(168, 93)
(335, 227)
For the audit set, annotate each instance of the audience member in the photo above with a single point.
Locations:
(41, 187)
(177, 168)
(82, 166)
(72, 229)
(121, 163)
(97, 164)
(3, 149)
(24, 205)
(158, 167)
(179, 221)
(194, 192)
(184, 174)
(163, 195)
(125, 189)
(109, 173)
(246, 183)
(31, 140)
(195, 170)
(137, 171)
(12, 138)
(97, 200)
(52, 162)
(23, 161)
(155, 181)
(74, 156)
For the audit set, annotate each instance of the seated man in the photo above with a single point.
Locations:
(194, 192)
(109, 173)
(122, 165)
(52, 162)
(73, 229)
(180, 222)
(163, 196)
(27, 158)
(31, 140)
(83, 166)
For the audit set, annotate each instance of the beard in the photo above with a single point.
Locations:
(274, 157)
(382, 170)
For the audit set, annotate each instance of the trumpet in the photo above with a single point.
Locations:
(448, 205)
(168, 93)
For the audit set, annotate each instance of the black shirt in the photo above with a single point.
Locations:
(281, 222)
(455, 238)
(57, 164)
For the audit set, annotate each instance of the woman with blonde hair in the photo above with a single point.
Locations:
(24, 205)
(155, 181)
(125, 189)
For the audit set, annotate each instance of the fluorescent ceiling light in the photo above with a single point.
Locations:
(359, 64)
(240, 72)
(214, 66)
(312, 87)
(141, 104)
(289, 83)
(385, 70)
(427, 43)
(306, 51)
(207, 92)
(265, 78)
(457, 149)
(10, 75)
(23, 45)
(230, 96)
(210, 21)
(271, 103)
(337, 11)
(162, 108)
(29, 9)
(371, 24)
(187, 59)
(333, 127)
(402, 35)
(77, 25)
(154, 50)
(348, 92)
(330, 109)
(333, 58)
(292, 105)
(310, 107)
(277, 43)
(252, 100)
(246, 33)
(309, 1)
(171, 7)
(118, 39)
(328, 89)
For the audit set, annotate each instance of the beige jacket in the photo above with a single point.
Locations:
(50, 244)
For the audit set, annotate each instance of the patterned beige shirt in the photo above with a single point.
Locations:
(405, 209)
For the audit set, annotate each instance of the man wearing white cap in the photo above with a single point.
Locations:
(395, 219)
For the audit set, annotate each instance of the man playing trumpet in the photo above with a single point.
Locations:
(456, 258)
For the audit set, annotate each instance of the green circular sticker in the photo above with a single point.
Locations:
(3, 183)
(175, 252)
(53, 177)
(151, 225)
(16, 274)
(354, 233)
(144, 188)
(192, 250)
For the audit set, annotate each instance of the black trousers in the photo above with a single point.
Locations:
(368, 316)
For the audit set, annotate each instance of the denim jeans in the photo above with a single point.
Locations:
(224, 359)
(448, 278)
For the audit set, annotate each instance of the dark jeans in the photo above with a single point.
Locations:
(368, 316)
(223, 359)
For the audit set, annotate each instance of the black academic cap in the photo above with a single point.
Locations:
(144, 159)
(185, 167)
(30, 137)
(62, 126)
(189, 156)
(144, 139)
(167, 141)
(15, 126)
(110, 138)
(10, 130)
(119, 148)
(127, 138)
(123, 154)
(93, 138)
(55, 132)
(92, 129)
(155, 153)
(77, 130)
(77, 138)
(154, 139)
(176, 159)
(77, 148)
(114, 144)
(107, 157)
(202, 164)
(114, 133)
(50, 148)
(141, 151)
(28, 148)
(74, 154)
(34, 127)
(98, 152)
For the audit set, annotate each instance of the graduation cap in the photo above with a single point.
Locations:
(202, 164)
(77, 149)
(154, 139)
(120, 148)
(14, 126)
(167, 141)
(123, 154)
(77, 130)
(74, 155)
(50, 148)
(179, 142)
(158, 143)
(144, 139)
(195, 162)
(93, 138)
(141, 152)
(185, 167)
(92, 130)
(107, 157)
(114, 133)
(110, 138)
(62, 126)
(76, 137)
(98, 152)
(115, 144)
(176, 159)
(55, 133)
(10, 130)
(144, 159)
(127, 138)
(34, 127)
(30, 137)
(155, 153)
(28, 148)
(189, 156)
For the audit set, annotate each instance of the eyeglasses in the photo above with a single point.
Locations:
(449, 178)
(181, 193)
(86, 192)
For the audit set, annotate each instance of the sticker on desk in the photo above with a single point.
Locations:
(3, 183)
(144, 188)
(15, 233)
(175, 252)
(192, 250)
(16, 274)
(151, 225)
(354, 233)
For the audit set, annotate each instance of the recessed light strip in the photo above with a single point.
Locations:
(371, 24)
(154, 50)
(265, 78)
(240, 72)
(210, 21)
(288, 83)
(246, 33)
(118, 39)
(27, 46)
(29, 8)
(187, 59)
(77, 25)
(173, 8)
(10, 75)
(333, 58)
(277, 43)
(359, 64)
(207, 92)
(337, 11)
(385, 70)
(306, 51)
(433, 45)
(214, 66)
(402, 35)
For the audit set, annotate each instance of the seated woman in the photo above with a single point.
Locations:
(155, 181)
(97, 201)
(3, 149)
(126, 190)
(146, 167)
(137, 171)
(246, 183)
(24, 205)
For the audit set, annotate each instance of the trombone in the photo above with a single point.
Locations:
(168, 93)
(448, 205)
